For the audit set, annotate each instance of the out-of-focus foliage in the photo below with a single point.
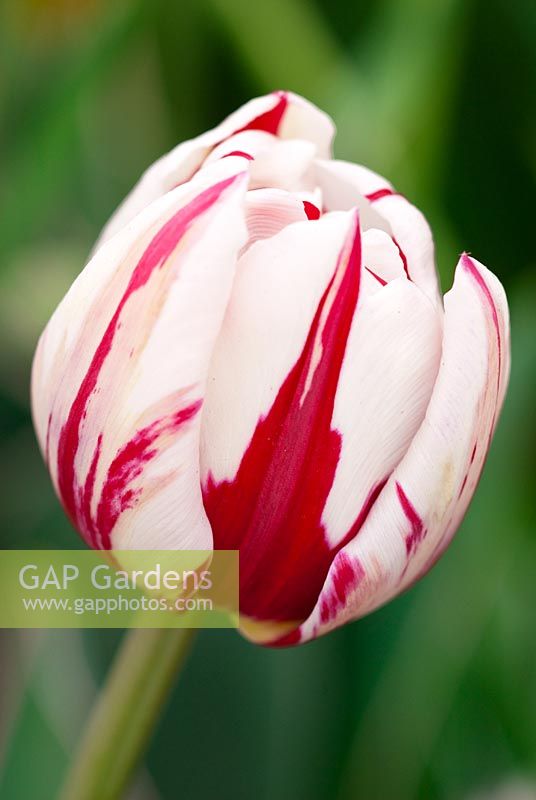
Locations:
(433, 697)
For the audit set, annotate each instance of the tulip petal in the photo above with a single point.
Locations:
(391, 364)
(268, 453)
(282, 114)
(289, 347)
(426, 497)
(275, 163)
(381, 257)
(119, 374)
(268, 211)
(278, 287)
(346, 185)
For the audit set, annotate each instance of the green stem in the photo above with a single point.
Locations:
(126, 712)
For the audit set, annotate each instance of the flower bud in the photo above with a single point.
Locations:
(257, 357)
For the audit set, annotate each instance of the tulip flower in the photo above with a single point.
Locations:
(257, 357)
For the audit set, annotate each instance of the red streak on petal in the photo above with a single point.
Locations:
(417, 525)
(471, 268)
(311, 210)
(117, 493)
(287, 640)
(380, 280)
(365, 511)
(346, 576)
(473, 454)
(464, 483)
(271, 511)
(469, 265)
(85, 495)
(155, 256)
(270, 120)
(379, 194)
(240, 153)
(403, 257)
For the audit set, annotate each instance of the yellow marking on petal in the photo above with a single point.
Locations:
(262, 632)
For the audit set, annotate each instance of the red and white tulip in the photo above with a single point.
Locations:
(257, 357)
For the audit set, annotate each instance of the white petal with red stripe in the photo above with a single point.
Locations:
(381, 257)
(119, 374)
(427, 495)
(268, 450)
(388, 374)
(274, 163)
(278, 286)
(345, 185)
(282, 114)
(98, 288)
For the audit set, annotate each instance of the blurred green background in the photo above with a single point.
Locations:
(433, 697)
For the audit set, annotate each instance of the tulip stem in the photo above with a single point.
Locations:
(126, 712)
